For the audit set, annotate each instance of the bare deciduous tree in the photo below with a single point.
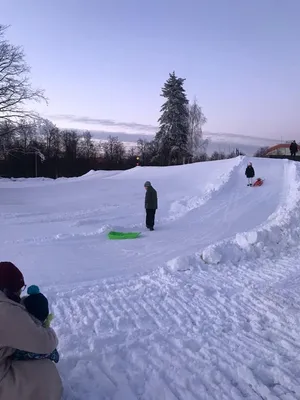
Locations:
(49, 135)
(8, 132)
(132, 152)
(26, 133)
(196, 144)
(142, 149)
(216, 155)
(261, 152)
(114, 150)
(15, 87)
(86, 147)
(70, 141)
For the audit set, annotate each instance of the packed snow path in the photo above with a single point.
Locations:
(149, 319)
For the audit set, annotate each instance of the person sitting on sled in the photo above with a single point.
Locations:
(37, 305)
(250, 173)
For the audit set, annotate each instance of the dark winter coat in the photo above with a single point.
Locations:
(293, 147)
(249, 172)
(151, 199)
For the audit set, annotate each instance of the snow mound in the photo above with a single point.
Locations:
(210, 255)
(247, 238)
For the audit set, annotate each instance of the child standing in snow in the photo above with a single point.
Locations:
(37, 305)
(249, 173)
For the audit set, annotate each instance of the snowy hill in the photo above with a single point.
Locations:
(205, 307)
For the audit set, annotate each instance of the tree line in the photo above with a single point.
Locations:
(34, 146)
(38, 148)
(30, 148)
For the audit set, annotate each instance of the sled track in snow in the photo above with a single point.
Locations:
(186, 336)
(185, 205)
(279, 231)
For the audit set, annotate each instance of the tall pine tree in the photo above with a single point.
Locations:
(172, 137)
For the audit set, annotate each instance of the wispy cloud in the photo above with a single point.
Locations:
(123, 136)
(130, 132)
(104, 122)
(221, 137)
(216, 141)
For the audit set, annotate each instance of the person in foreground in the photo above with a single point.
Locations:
(250, 173)
(150, 205)
(26, 379)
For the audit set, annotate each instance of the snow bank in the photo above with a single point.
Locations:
(41, 181)
(280, 231)
(23, 182)
(186, 204)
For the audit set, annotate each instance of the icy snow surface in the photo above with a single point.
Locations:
(206, 307)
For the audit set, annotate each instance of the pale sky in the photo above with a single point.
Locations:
(103, 63)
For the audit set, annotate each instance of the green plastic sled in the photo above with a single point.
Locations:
(123, 235)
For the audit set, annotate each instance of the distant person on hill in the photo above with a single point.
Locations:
(150, 205)
(250, 173)
(293, 149)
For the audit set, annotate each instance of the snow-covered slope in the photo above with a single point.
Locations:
(205, 307)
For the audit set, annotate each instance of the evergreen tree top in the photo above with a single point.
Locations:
(174, 110)
(173, 88)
